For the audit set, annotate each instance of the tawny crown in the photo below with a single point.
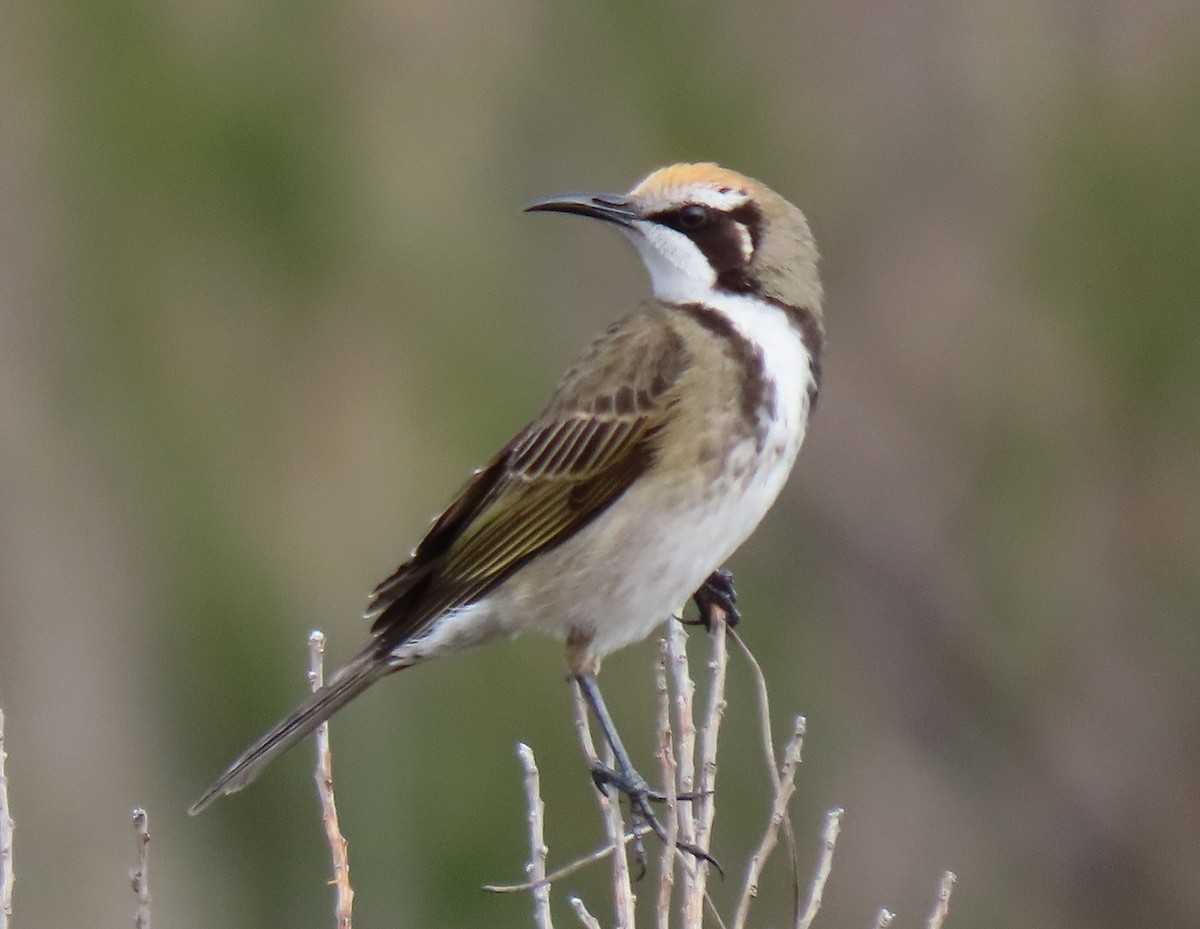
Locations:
(677, 179)
(777, 247)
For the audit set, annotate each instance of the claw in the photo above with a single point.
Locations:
(626, 780)
(633, 786)
(716, 595)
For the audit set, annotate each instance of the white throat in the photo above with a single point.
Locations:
(679, 272)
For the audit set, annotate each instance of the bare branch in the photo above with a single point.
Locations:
(703, 806)
(623, 899)
(685, 692)
(588, 920)
(764, 706)
(712, 911)
(577, 865)
(140, 877)
(768, 743)
(709, 735)
(344, 893)
(942, 907)
(666, 755)
(883, 919)
(783, 795)
(537, 840)
(691, 823)
(833, 825)
(684, 689)
(7, 874)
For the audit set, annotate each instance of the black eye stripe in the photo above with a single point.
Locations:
(722, 240)
(684, 219)
(688, 219)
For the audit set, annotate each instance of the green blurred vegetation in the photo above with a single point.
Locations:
(266, 298)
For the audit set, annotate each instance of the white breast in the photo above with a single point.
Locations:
(699, 537)
(644, 557)
(785, 360)
(620, 577)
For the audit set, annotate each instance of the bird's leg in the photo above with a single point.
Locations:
(625, 778)
(716, 594)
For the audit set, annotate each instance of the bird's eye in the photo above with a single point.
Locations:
(692, 218)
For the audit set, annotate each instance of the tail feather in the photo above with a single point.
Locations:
(347, 684)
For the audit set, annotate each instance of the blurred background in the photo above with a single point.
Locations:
(266, 297)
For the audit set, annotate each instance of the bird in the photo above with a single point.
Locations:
(656, 456)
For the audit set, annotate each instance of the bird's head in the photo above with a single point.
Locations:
(701, 228)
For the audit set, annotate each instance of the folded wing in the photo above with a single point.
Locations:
(597, 435)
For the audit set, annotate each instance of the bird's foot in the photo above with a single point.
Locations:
(632, 784)
(641, 795)
(716, 597)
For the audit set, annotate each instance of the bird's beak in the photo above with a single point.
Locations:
(615, 208)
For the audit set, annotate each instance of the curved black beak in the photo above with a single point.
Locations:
(613, 208)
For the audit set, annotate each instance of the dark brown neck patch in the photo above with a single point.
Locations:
(720, 237)
(720, 241)
(757, 390)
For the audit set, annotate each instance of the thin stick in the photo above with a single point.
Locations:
(685, 862)
(685, 692)
(140, 878)
(536, 869)
(344, 893)
(942, 907)
(768, 743)
(666, 754)
(709, 734)
(764, 706)
(7, 874)
(705, 802)
(623, 899)
(685, 752)
(712, 911)
(783, 795)
(833, 825)
(588, 920)
(566, 870)
(883, 919)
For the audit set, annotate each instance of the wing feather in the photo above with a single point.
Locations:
(596, 436)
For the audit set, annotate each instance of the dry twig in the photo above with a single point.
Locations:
(589, 921)
(691, 822)
(344, 893)
(537, 840)
(666, 755)
(833, 825)
(577, 865)
(685, 749)
(140, 876)
(705, 804)
(685, 753)
(783, 795)
(614, 825)
(7, 874)
(941, 908)
(768, 745)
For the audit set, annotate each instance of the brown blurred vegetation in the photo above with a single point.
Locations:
(266, 297)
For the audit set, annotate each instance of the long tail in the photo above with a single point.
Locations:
(347, 684)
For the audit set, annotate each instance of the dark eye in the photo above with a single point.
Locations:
(692, 218)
